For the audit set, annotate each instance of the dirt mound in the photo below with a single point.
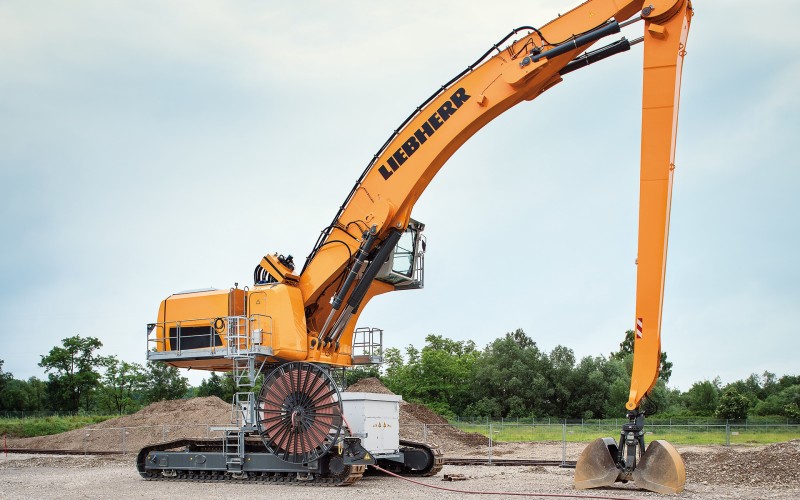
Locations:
(419, 423)
(371, 384)
(160, 421)
(424, 414)
(774, 465)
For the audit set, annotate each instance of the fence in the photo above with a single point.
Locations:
(132, 439)
(506, 437)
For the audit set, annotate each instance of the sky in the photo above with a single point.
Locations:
(151, 147)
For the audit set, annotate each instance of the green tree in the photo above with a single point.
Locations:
(703, 397)
(561, 380)
(212, 386)
(36, 391)
(439, 375)
(511, 379)
(792, 411)
(4, 379)
(123, 385)
(73, 374)
(163, 382)
(361, 372)
(732, 405)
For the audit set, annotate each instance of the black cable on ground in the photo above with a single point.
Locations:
(505, 493)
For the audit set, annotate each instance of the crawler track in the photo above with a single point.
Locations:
(435, 453)
(351, 474)
(438, 467)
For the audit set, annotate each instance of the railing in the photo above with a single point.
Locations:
(234, 334)
(367, 346)
(159, 333)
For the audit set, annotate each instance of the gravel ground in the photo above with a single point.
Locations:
(47, 476)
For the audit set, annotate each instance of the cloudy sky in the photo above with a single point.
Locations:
(151, 147)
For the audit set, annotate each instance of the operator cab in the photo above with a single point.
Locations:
(405, 266)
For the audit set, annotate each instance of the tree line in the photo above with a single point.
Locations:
(511, 378)
(80, 380)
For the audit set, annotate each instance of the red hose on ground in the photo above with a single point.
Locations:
(508, 493)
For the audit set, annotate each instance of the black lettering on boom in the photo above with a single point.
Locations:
(425, 132)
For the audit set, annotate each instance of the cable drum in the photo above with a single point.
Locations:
(299, 412)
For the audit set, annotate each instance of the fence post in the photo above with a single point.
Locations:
(491, 437)
(727, 432)
(564, 444)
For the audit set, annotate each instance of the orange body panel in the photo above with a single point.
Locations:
(195, 314)
(277, 310)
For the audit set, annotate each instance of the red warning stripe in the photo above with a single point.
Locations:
(638, 328)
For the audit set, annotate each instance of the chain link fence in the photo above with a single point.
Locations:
(553, 439)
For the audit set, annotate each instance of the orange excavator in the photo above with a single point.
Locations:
(297, 328)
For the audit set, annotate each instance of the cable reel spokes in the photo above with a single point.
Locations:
(299, 412)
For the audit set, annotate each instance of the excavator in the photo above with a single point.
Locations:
(296, 329)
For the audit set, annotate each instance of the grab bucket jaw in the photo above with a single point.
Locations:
(660, 470)
(596, 467)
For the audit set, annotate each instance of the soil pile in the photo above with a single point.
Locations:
(160, 421)
(419, 423)
(776, 465)
(371, 385)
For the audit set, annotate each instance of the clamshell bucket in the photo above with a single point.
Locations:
(660, 470)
